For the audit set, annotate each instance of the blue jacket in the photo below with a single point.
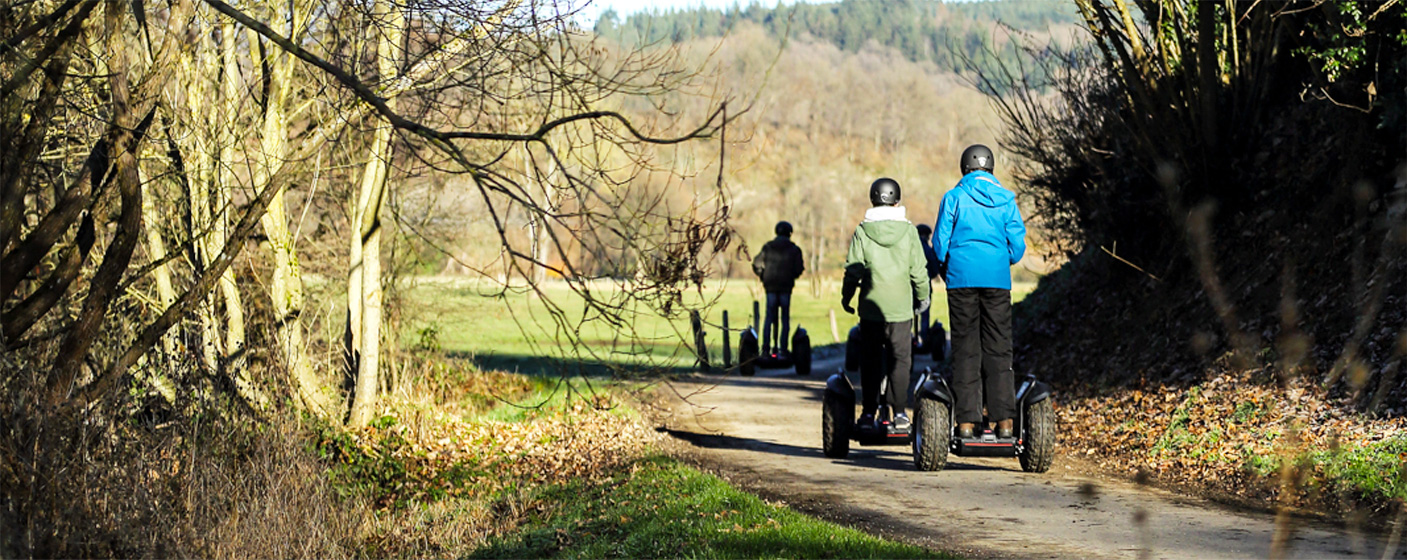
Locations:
(979, 233)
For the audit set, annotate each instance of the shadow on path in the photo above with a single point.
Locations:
(891, 458)
(714, 441)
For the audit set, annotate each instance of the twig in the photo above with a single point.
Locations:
(1125, 261)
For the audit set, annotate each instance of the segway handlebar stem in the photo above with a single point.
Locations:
(837, 383)
(934, 387)
(1032, 391)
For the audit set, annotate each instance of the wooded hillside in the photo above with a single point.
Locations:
(825, 115)
(947, 34)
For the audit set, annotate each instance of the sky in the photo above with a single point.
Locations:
(627, 7)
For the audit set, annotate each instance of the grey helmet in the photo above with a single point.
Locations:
(884, 192)
(783, 229)
(977, 157)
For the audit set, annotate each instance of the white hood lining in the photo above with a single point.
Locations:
(886, 214)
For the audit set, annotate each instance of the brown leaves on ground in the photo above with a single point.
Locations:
(1225, 435)
(582, 440)
(467, 478)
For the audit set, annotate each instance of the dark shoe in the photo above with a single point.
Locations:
(966, 429)
(866, 421)
(1006, 429)
(901, 421)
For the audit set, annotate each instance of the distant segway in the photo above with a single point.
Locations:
(801, 351)
(750, 357)
(935, 431)
(747, 352)
(838, 427)
(934, 344)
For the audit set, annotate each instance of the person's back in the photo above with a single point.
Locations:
(882, 252)
(979, 235)
(886, 264)
(778, 264)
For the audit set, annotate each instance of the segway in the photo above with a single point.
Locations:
(747, 352)
(750, 358)
(935, 430)
(801, 351)
(838, 427)
(933, 346)
(934, 343)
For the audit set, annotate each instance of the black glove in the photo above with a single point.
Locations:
(922, 306)
(845, 304)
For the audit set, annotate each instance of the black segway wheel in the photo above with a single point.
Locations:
(1039, 452)
(747, 353)
(934, 428)
(837, 416)
(801, 352)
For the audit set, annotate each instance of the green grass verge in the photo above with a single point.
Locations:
(1375, 471)
(662, 508)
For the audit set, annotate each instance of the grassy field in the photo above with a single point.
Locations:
(516, 332)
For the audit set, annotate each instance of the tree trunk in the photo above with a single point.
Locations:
(286, 286)
(156, 251)
(220, 218)
(538, 220)
(364, 274)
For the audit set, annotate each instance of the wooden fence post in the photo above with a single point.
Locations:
(700, 344)
(835, 332)
(727, 349)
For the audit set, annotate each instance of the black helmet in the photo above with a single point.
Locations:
(884, 192)
(924, 230)
(783, 228)
(976, 157)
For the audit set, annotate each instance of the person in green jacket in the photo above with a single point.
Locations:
(887, 264)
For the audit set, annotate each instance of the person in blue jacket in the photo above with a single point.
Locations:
(979, 235)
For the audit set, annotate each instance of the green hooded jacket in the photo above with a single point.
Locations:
(886, 262)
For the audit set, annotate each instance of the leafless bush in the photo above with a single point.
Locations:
(144, 476)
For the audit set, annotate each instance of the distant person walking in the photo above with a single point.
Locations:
(778, 264)
(885, 262)
(979, 235)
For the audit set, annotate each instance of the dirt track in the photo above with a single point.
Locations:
(764, 433)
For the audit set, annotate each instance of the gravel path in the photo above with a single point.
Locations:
(763, 432)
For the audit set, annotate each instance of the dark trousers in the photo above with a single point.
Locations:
(981, 329)
(885, 351)
(778, 303)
